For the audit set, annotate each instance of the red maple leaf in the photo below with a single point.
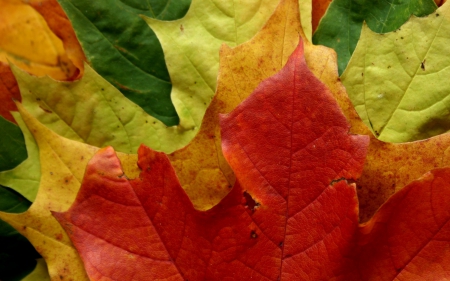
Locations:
(292, 215)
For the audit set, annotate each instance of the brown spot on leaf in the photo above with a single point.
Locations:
(44, 109)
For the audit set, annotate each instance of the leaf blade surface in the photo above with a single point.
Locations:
(58, 186)
(112, 31)
(397, 87)
(250, 236)
(340, 28)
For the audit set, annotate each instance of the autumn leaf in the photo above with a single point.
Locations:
(228, 225)
(103, 118)
(23, 178)
(131, 125)
(188, 71)
(60, 25)
(91, 110)
(290, 215)
(63, 163)
(200, 166)
(305, 7)
(23, 29)
(389, 166)
(340, 28)
(95, 123)
(71, 107)
(318, 11)
(8, 91)
(112, 31)
(203, 171)
(41, 44)
(36, 224)
(191, 48)
(389, 74)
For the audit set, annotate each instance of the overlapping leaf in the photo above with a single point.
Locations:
(290, 215)
(147, 84)
(121, 48)
(152, 203)
(91, 110)
(12, 146)
(396, 81)
(42, 45)
(340, 28)
(25, 177)
(60, 25)
(381, 177)
(191, 48)
(28, 42)
(205, 175)
(8, 91)
(62, 166)
(99, 115)
(318, 10)
(201, 167)
(155, 134)
(388, 166)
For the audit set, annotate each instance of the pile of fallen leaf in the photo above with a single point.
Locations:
(224, 140)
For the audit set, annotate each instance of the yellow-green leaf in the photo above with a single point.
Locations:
(398, 81)
(93, 111)
(191, 48)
